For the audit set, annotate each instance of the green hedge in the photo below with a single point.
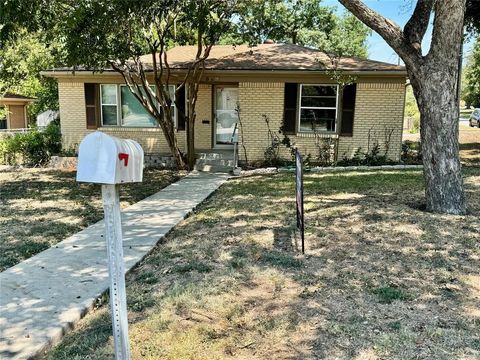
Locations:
(33, 148)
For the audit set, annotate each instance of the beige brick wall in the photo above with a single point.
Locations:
(379, 108)
(203, 111)
(257, 99)
(71, 98)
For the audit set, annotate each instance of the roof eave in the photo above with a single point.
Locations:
(369, 72)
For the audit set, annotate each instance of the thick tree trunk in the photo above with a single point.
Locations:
(434, 86)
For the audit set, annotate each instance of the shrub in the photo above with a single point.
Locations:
(411, 152)
(33, 148)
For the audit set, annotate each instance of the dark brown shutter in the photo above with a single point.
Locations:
(348, 109)
(180, 105)
(290, 108)
(92, 105)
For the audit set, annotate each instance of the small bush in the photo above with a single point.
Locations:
(411, 152)
(33, 148)
(370, 158)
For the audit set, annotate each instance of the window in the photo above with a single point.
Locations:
(133, 112)
(318, 108)
(109, 106)
(119, 107)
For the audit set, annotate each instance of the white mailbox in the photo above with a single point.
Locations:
(105, 159)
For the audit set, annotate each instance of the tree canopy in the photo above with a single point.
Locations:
(471, 85)
(303, 22)
(21, 60)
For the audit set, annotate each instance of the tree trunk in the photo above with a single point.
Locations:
(434, 85)
(169, 133)
(190, 124)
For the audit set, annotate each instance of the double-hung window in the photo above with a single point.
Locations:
(119, 107)
(318, 108)
(109, 104)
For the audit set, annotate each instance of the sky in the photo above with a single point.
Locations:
(399, 11)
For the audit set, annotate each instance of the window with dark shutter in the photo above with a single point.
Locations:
(180, 105)
(91, 105)
(290, 108)
(348, 109)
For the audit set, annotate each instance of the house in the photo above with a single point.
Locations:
(289, 85)
(15, 114)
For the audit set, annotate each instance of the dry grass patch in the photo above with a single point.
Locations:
(40, 207)
(469, 139)
(381, 278)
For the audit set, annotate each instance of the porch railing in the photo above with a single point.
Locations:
(234, 141)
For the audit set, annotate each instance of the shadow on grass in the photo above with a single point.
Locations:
(379, 278)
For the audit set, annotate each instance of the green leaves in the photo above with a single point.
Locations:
(471, 87)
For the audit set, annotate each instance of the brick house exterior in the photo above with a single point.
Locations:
(271, 80)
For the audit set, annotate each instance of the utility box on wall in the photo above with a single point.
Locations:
(104, 159)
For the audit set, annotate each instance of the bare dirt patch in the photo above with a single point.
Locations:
(40, 207)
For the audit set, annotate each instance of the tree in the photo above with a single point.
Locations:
(472, 16)
(302, 22)
(434, 78)
(117, 34)
(21, 60)
(471, 88)
(348, 37)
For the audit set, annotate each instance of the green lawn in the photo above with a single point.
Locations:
(40, 207)
(381, 278)
(465, 113)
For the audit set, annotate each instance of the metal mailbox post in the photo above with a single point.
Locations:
(109, 161)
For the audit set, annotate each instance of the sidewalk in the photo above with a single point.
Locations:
(44, 296)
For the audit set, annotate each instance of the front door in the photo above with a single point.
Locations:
(226, 115)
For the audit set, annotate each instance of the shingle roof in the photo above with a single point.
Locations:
(16, 96)
(266, 57)
(270, 57)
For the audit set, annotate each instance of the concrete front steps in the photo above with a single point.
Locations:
(215, 161)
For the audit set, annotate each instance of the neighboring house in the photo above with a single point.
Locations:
(286, 83)
(15, 116)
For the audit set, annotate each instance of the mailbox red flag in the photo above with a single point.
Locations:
(124, 157)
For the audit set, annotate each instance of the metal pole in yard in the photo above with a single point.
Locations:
(116, 269)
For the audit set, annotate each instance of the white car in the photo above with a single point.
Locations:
(475, 118)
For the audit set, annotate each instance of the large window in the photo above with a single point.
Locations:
(120, 107)
(318, 108)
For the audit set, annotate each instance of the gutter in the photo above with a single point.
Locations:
(69, 73)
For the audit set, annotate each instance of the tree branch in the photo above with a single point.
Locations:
(417, 25)
(387, 29)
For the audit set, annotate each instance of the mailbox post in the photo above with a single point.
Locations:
(110, 161)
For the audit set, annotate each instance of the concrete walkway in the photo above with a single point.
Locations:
(45, 295)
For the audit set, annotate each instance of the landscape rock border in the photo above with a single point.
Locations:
(274, 170)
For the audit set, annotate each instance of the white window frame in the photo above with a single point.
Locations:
(102, 104)
(118, 104)
(300, 107)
